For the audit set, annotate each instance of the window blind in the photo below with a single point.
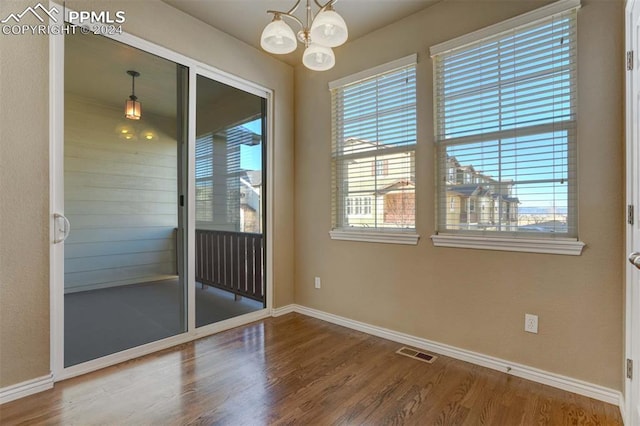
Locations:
(505, 130)
(373, 149)
(204, 178)
(220, 170)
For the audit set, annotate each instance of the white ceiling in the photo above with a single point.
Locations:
(245, 19)
(95, 67)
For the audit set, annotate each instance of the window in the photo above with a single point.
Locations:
(506, 118)
(382, 167)
(373, 151)
(359, 206)
(452, 175)
(229, 177)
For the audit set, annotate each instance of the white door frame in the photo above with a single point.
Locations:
(632, 308)
(56, 205)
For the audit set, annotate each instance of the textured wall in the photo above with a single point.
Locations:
(24, 205)
(24, 173)
(476, 299)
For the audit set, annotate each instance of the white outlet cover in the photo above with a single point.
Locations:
(317, 282)
(531, 323)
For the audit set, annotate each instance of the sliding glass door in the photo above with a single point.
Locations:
(158, 202)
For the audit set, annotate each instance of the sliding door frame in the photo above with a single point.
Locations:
(56, 205)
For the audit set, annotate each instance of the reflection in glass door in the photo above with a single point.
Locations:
(230, 189)
(124, 282)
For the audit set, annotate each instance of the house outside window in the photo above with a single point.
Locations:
(506, 121)
(373, 152)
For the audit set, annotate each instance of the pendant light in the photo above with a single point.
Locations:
(132, 107)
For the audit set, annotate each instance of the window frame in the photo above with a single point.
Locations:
(363, 234)
(518, 241)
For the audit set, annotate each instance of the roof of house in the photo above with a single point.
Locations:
(397, 185)
(254, 177)
(476, 190)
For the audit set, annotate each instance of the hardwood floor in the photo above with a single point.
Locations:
(301, 371)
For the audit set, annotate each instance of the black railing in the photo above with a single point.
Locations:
(231, 261)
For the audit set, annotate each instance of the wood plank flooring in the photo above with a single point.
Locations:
(295, 370)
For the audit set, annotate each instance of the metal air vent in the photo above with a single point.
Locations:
(415, 354)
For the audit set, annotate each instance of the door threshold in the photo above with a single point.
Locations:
(150, 348)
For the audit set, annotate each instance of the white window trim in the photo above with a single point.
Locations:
(508, 25)
(380, 69)
(409, 238)
(380, 235)
(564, 246)
(561, 246)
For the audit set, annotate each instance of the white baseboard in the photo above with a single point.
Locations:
(569, 384)
(20, 390)
(277, 312)
(623, 409)
(611, 396)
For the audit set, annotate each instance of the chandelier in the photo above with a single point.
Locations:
(319, 34)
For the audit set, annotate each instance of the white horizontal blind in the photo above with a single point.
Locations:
(373, 151)
(204, 178)
(506, 132)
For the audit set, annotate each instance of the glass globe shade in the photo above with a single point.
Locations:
(318, 58)
(329, 29)
(278, 37)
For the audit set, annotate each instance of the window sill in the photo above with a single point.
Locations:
(410, 238)
(565, 246)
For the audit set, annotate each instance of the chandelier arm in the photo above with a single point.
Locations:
(288, 15)
(294, 8)
(325, 6)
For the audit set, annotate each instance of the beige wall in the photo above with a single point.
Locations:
(414, 289)
(423, 290)
(24, 206)
(24, 173)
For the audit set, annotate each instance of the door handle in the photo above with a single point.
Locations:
(634, 259)
(66, 228)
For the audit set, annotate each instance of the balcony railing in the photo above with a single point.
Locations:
(231, 261)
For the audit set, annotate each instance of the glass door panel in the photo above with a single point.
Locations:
(230, 182)
(124, 280)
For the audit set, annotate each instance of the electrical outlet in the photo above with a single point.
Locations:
(531, 323)
(317, 282)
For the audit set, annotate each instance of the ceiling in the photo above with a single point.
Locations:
(95, 67)
(245, 19)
